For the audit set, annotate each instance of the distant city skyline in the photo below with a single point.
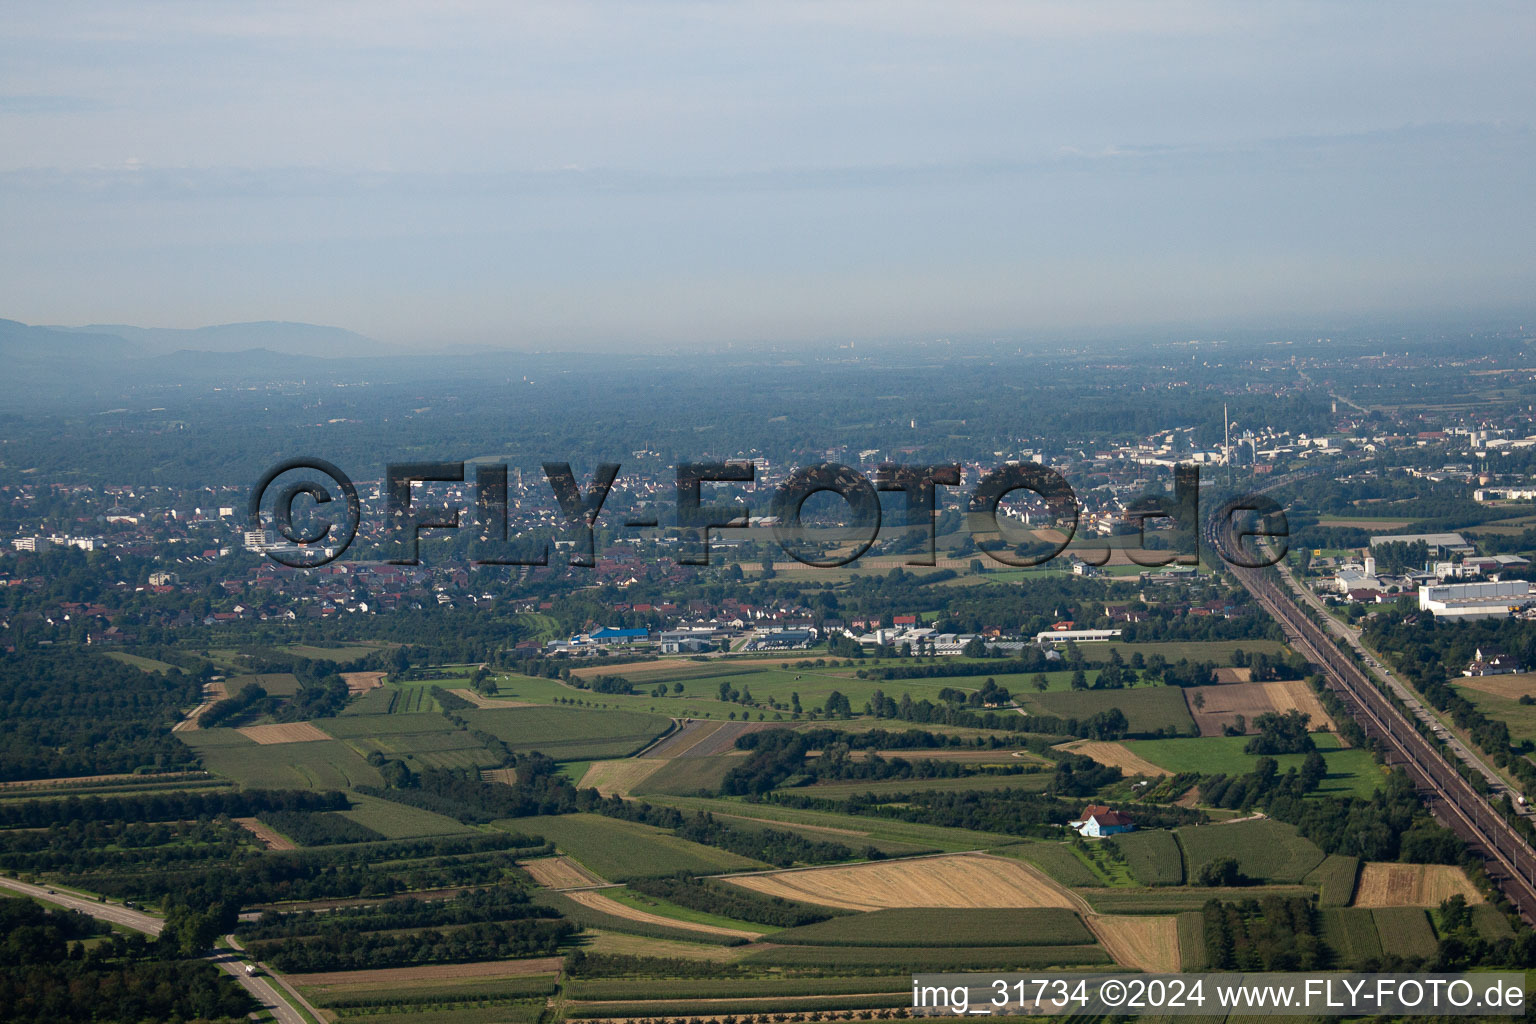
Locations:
(675, 174)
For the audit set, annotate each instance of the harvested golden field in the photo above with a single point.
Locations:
(647, 667)
(1234, 675)
(1224, 702)
(286, 732)
(1116, 755)
(1145, 943)
(479, 700)
(1511, 687)
(560, 873)
(954, 880)
(266, 834)
(403, 976)
(608, 905)
(505, 776)
(624, 944)
(1411, 885)
(362, 682)
(619, 777)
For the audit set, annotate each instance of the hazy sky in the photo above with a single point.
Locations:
(653, 173)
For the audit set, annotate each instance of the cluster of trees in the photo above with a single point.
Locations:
(504, 903)
(355, 950)
(733, 901)
(81, 847)
(321, 699)
(1273, 934)
(1391, 824)
(166, 806)
(319, 828)
(1076, 775)
(47, 975)
(480, 923)
(1282, 734)
(65, 712)
(780, 756)
(1265, 783)
(1269, 667)
(344, 872)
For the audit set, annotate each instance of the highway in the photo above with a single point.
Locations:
(1510, 860)
(261, 987)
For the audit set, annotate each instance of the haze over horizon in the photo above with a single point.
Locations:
(675, 174)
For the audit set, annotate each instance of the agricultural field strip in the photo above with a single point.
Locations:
(599, 901)
(953, 840)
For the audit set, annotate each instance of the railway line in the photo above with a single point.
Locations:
(1511, 862)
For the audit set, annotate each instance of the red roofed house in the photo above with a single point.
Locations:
(1100, 821)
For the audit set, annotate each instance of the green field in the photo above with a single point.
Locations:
(397, 821)
(1032, 782)
(1147, 709)
(378, 701)
(1490, 923)
(1191, 928)
(1351, 932)
(857, 843)
(1153, 856)
(570, 734)
(1175, 899)
(140, 662)
(1265, 850)
(343, 652)
(1521, 718)
(386, 726)
(1058, 860)
(666, 908)
(423, 740)
(1218, 652)
(619, 850)
(947, 927)
(277, 684)
(318, 765)
(1351, 772)
(1335, 880)
(862, 828)
(686, 776)
(1405, 931)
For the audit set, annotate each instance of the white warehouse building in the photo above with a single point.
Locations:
(1474, 600)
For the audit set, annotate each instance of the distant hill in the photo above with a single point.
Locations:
(284, 338)
(31, 345)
